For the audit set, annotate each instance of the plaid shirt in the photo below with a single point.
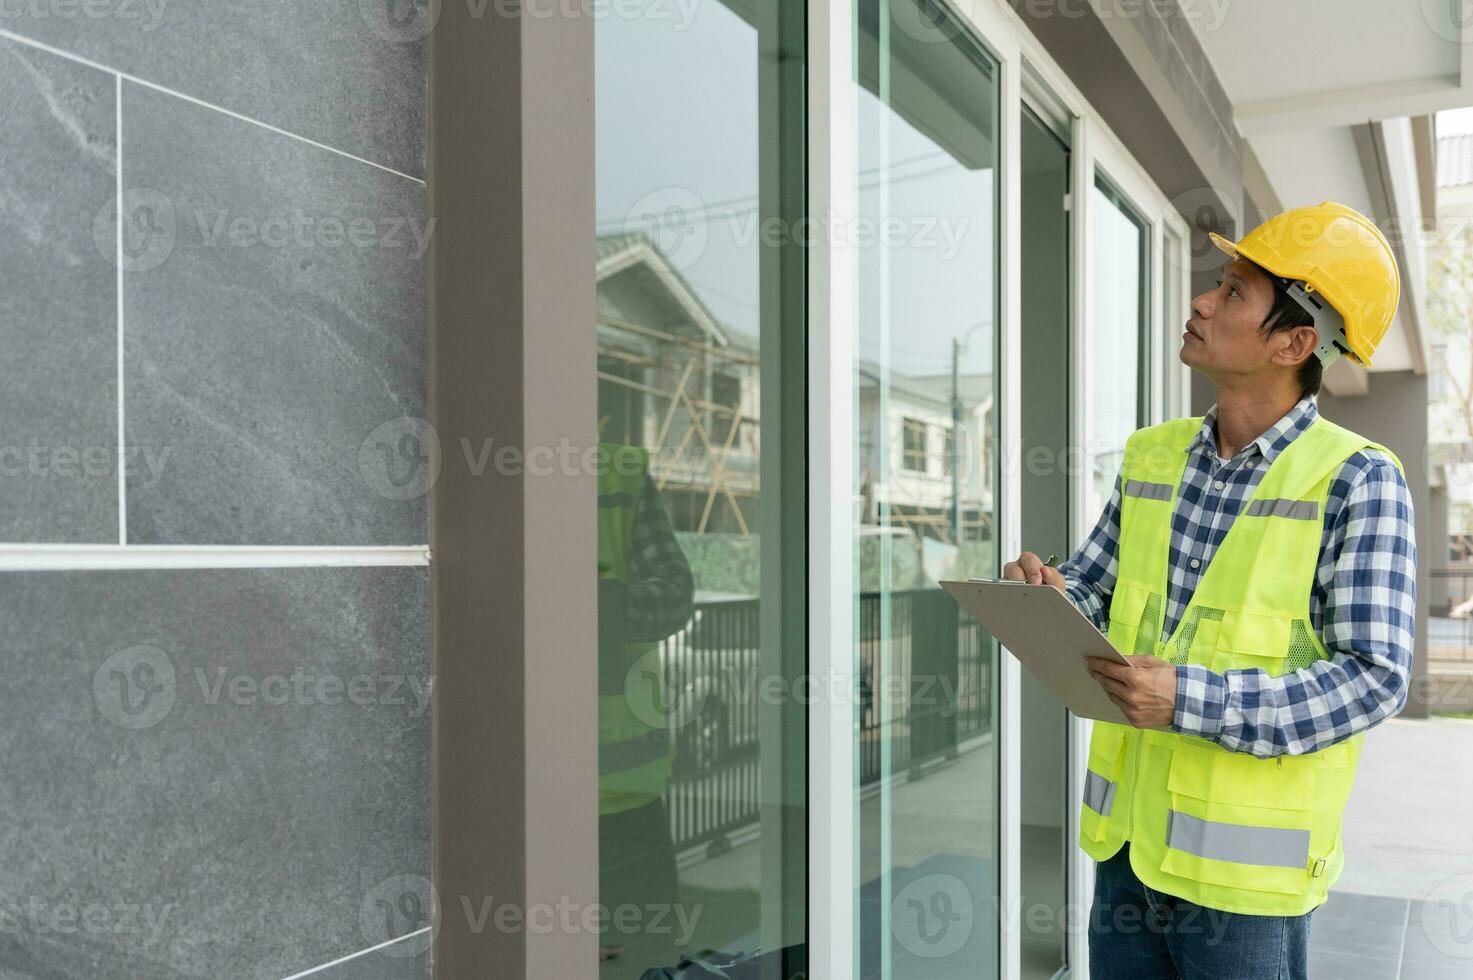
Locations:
(1362, 605)
(661, 591)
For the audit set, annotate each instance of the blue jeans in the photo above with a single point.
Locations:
(1137, 933)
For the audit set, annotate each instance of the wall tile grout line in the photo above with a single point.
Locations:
(125, 76)
(118, 261)
(361, 952)
(103, 557)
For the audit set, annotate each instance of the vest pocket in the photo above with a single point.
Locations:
(1127, 603)
(1238, 821)
(1248, 640)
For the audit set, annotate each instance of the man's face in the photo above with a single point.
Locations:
(1222, 334)
(1223, 338)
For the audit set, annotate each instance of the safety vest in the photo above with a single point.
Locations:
(635, 750)
(1226, 830)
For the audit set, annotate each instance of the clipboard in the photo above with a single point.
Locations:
(1042, 628)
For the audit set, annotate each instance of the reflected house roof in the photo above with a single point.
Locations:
(648, 309)
(635, 254)
(933, 390)
(974, 388)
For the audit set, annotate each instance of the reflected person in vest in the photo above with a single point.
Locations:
(646, 593)
(1258, 566)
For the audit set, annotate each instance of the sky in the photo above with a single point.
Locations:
(1455, 122)
(677, 140)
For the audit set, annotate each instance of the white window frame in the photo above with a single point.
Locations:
(1177, 395)
(832, 794)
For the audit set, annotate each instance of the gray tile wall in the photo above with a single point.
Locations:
(349, 74)
(195, 787)
(242, 755)
(267, 336)
(58, 301)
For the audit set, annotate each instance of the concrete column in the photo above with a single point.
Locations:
(1394, 413)
(512, 355)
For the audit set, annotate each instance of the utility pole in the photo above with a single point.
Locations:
(954, 447)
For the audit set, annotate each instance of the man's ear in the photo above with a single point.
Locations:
(1298, 343)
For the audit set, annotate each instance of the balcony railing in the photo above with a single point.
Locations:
(1450, 616)
(925, 688)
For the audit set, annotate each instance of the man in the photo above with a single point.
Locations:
(646, 593)
(1257, 566)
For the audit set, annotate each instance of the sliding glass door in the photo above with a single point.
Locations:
(924, 499)
(700, 379)
(1119, 305)
(1044, 846)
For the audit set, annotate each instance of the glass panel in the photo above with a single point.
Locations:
(700, 381)
(1044, 723)
(1119, 243)
(924, 502)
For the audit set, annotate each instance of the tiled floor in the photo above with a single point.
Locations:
(1403, 908)
(1376, 937)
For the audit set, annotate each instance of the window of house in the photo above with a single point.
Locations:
(726, 400)
(913, 449)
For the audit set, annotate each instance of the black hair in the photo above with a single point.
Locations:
(1286, 314)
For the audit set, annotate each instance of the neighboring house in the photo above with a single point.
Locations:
(674, 377)
(1450, 390)
(914, 487)
(671, 376)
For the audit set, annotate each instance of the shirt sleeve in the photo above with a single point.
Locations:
(1368, 575)
(1089, 573)
(661, 590)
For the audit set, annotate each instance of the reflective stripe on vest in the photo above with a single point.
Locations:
(1150, 491)
(1269, 846)
(1294, 510)
(1099, 793)
(1216, 827)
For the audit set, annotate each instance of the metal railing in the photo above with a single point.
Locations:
(925, 687)
(1450, 615)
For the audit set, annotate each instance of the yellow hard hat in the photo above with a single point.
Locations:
(1338, 253)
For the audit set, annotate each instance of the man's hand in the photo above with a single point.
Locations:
(1031, 569)
(1145, 691)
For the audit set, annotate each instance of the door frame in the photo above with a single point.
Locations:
(833, 803)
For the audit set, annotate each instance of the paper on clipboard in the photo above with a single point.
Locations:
(1044, 630)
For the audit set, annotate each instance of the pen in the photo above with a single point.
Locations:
(1051, 560)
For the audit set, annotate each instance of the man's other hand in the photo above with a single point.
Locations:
(1145, 691)
(1031, 569)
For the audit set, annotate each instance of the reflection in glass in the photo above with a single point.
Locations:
(1117, 302)
(924, 501)
(1045, 488)
(699, 788)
